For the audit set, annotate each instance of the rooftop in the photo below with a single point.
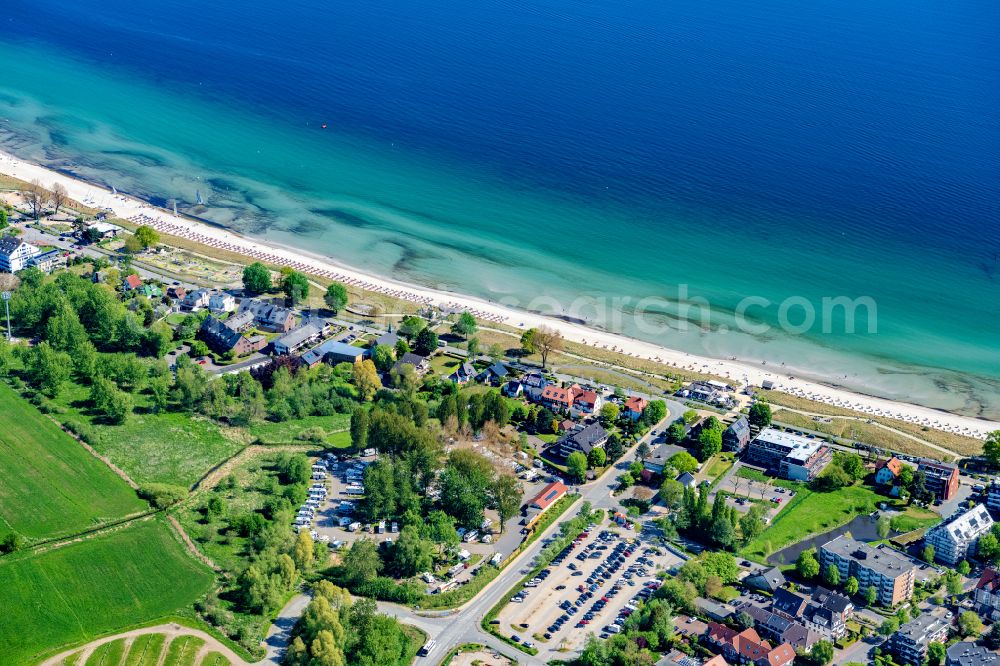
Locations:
(799, 447)
(970, 654)
(882, 560)
(919, 629)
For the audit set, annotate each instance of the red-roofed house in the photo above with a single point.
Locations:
(746, 647)
(634, 407)
(887, 471)
(132, 282)
(545, 498)
(559, 399)
(988, 593)
(586, 402)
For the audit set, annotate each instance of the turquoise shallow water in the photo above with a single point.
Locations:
(573, 157)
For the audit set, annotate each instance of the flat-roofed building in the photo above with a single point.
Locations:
(788, 455)
(891, 573)
(909, 644)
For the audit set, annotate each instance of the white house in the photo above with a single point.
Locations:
(955, 540)
(15, 254)
(220, 301)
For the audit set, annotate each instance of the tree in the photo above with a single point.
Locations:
(936, 654)
(906, 476)
(365, 379)
(671, 493)
(147, 236)
(889, 626)
(382, 358)
(576, 466)
(465, 326)
(871, 595)
(47, 368)
(928, 553)
(676, 433)
(335, 297)
(821, 653)
(36, 197)
(682, 461)
(257, 278)
(806, 565)
(883, 527)
(655, 412)
(851, 463)
(709, 443)
(296, 287)
(609, 413)
(507, 497)
(759, 414)
(988, 548)
(441, 528)
(472, 348)
(359, 428)
(528, 341)
(614, 447)
(546, 341)
(132, 245)
(643, 451)
(412, 325)
(963, 568)
(412, 554)
(361, 562)
(831, 575)
(597, 458)
(991, 448)
(752, 524)
(302, 552)
(992, 639)
(851, 586)
(59, 197)
(969, 625)
(690, 417)
(3, 217)
(426, 342)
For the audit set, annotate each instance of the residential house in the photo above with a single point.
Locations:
(956, 539)
(891, 573)
(634, 407)
(987, 594)
(389, 339)
(268, 316)
(420, 363)
(687, 480)
(712, 609)
(195, 300)
(586, 403)
(657, 460)
(828, 612)
(103, 230)
(583, 440)
(909, 643)
(131, 282)
(176, 292)
(789, 604)
(747, 647)
(887, 471)
(780, 629)
(223, 338)
(300, 337)
(513, 389)
(15, 254)
(788, 455)
(545, 498)
(463, 374)
(940, 479)
(220, 301)
(49, 261)
(558, 399)
(965, 653)
(766, 580)
(711, 392)
(737, 435)
(495, 375)
(150, 290)
(333, 352)
(532, 384)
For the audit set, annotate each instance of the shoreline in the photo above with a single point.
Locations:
(141, 212)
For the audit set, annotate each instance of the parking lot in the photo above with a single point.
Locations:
(591, 586)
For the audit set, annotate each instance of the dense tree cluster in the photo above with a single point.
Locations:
(718, 524)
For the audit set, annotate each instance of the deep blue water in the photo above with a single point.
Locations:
(745, 147)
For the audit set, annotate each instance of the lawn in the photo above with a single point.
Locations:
(810, 513)
(145, 650)
(183, 650)
(914, 518)
(718, 465)
(51, 485)
(109, 654)
(169, 447)
(101, 585)
(269, 432)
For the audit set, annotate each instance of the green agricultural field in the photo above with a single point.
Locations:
(214, 659)
(170, 447)
(145, 650)
(287, 432)
(810, 513)
(77, 592)
(109, 654)
(183, 650)
(51, 485)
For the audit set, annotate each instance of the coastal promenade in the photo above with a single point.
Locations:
(140, 212)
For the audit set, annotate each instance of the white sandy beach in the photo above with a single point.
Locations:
(143, 213)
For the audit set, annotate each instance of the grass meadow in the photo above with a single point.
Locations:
(80, 591)
(51, 485)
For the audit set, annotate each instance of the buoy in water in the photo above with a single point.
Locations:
(324, 125)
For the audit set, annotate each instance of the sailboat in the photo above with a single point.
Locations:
(114, 191)
(197, 193)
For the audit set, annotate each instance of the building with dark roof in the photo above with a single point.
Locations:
(768, 580)
(892, 574)
(583, 440)
(223, 338)
(333, 352)
(965, 653)
(987, 594)
(420, 363)
(940, 479)
(463, 374)
(494, 375)
(780, 629)
(909, 643)
(736, 436)
(295, 340)
(268, 316)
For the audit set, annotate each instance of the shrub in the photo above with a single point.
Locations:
(162, 495)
